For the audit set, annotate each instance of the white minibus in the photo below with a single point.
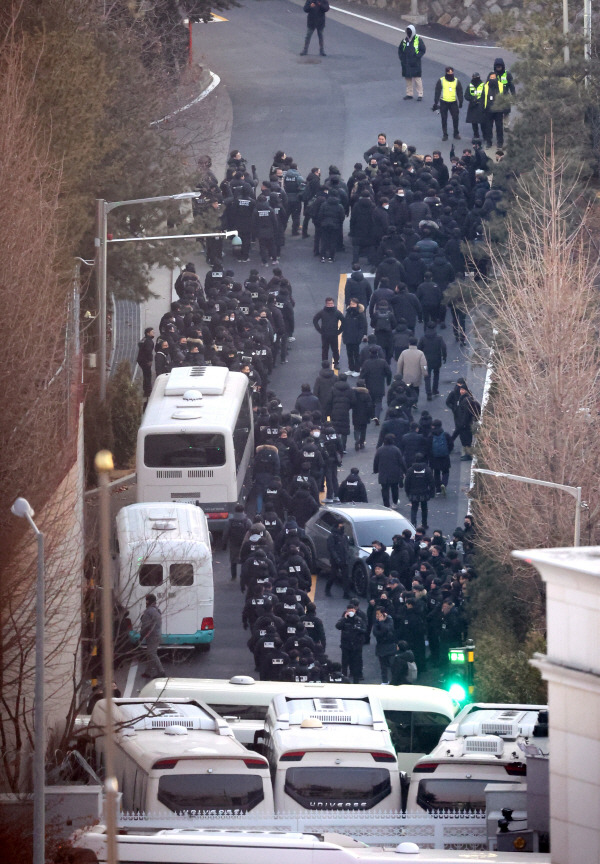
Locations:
(196, 441)
(178, 756)
(189, 846)
(164, 549)
(486, 743)
(416, 716)
(328, 753)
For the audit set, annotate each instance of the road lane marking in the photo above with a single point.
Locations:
(402, 30)
(215, 81)
(214, 19)
(313, 587)
(130, 680)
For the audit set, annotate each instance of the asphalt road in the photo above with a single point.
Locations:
(322, 111)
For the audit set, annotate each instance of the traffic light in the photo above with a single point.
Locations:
(461, 676)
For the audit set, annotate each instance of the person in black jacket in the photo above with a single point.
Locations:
(328, 323)
(265, 228)
(339, 407)
(162, 358)
(385, 637)
(449, 99)
(354, 327)
(144, 359)
(362, 412)
(439, 458)
(434, 348)
(315, 20)
(331, 219)
(419, 487)
(352, 488)
(410, 51)
(303, 505)
(352, 629)
(375, 372)
(390, 467)
(338, 548)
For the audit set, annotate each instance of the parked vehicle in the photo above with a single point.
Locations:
(363, 523)
(164, 549)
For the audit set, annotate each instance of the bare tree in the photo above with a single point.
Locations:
(542, 419)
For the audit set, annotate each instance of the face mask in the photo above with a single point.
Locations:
(316, 434)
(386, 206)
(351, 614)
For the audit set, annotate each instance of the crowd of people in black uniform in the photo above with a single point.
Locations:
(408, 217)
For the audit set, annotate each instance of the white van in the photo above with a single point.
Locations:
(330, 754)
(416, 716)
(189, 846)
(179, 756)
(486, 743)
(164, 549)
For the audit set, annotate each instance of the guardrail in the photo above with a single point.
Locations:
(444, 830)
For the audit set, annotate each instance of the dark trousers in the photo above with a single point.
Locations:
(440, 478)
(430, 313)
(352, 663)
(245, 236)
(309, 32)
(362, 251)
(214, 249)
(295, 211)
(452, 109)
(352, 352)
(338, 573)
(414, 509)
(281, 347)
(146, 379)
(328, 242)
(317, 240)
(377, 405)
(432, 381)
(268, 248)
(360, 433)
(465, 435)
(459, 322)
(331, 479)
(330, 343)
(494, 118)
(384, 665)
(385, 493)
(475, 128)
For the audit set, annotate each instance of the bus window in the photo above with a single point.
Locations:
(334, 787)
(243, 712)
(415, 731)
(199, 450)
(181, 574)
(452, 794)
(242, 431)
(151, 575)
(232, 793)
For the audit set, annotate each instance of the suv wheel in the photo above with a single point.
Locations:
(360, 578)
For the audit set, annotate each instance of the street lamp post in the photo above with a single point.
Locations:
(23, 509)
(103, 208)
(575, 491)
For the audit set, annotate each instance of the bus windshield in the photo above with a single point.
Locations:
(206, 450)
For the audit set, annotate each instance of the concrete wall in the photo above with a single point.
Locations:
(572, 669)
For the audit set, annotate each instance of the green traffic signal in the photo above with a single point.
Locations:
(457, 691)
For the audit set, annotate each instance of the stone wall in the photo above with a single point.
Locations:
(470, 16)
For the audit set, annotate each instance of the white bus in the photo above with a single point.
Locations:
(416, 715)
(331, 754)
(196, 441)
(164, 549)
(189, 846)
(486, 743)
(180, 757)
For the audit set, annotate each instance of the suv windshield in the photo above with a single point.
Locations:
(379, 529)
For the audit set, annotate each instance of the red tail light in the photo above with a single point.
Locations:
(425, 767)
(255, 763)
(292, 756)
(208, 624)
(516, 769)
(383, 757)
(217, 515)
(163, 764)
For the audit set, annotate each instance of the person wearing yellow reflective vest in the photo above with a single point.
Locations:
(493, 106)
(474, 96)
(449, 99)
(410, 51)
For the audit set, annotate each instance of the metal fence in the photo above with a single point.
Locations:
(447, 830)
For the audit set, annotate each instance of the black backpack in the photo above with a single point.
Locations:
(384, 321)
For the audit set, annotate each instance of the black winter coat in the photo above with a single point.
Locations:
(429, 295)
(434, 348)
(419, 483)
(385, 636)
(414, 270)
(352, 489)
(303, 506)
(375, 372)
(442, 271)
(413, 443)
(352, 632)
(358, 287)
(391, 268)
(328, 321)
(340, 405)
(316, 10)
(362, 409)
(361, 222)
(389, 464)
(323, 387)
(354, 326)
(410, 57)
(406, 305)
